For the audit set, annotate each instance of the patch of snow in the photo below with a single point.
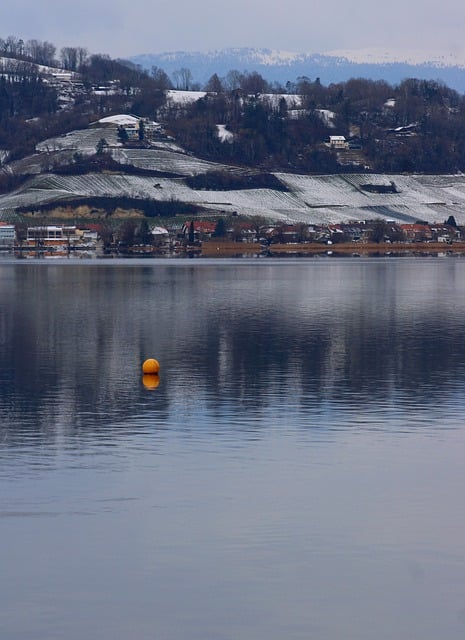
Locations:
(4, 153)
(120, 119)
(327, 116)
(223, 134)
(311, 199)
(293, 100)
(184, 97)
(378, 55)
(275, 57)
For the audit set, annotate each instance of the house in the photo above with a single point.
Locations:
(7, 235)
(445, 233)
(338, 142)
(417, 232)
(60, 236)
(242, 232)
(160, 236)
(202, 229)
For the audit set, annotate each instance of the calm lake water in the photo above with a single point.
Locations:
(299, 472)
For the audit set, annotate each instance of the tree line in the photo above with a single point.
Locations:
(414, 126)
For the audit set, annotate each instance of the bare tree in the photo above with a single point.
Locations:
(253, 83)
(82, 55)
(69, 58)
(183, 78)
(161, 79)
(40, 52)
(233, 79)
(214, 85)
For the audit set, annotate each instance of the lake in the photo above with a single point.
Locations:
(297, 470)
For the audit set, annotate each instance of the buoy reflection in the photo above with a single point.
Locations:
(150, 380)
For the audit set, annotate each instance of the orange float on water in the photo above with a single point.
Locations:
(151, 366)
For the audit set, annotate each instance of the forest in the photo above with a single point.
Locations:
(415, 126)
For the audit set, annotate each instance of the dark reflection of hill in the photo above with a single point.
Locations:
(242, 336)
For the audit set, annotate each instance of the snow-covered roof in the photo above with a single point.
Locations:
(122, 118)
(159, 231)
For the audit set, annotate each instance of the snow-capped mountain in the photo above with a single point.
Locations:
(334, 66)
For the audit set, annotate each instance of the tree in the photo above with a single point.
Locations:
(40, 52)
(82, 55)
(233, 79)
(191, 232)
(127, 233)
(69, 58)
(144, 233)
(183, 78)
(102, 146)
(220, 229)
(105, 234)
(378, 231)
(214, 85)
(122, 134)
(451, 222)
(161, 79)
(253, 83)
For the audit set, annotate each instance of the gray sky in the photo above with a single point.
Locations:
(130, 27)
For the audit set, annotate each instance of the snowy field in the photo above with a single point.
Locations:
(313, 199)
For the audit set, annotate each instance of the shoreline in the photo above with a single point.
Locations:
(215, 248)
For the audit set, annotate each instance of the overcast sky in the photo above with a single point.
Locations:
(123, 28)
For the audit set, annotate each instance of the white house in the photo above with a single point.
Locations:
(338, 142)
(7, 234)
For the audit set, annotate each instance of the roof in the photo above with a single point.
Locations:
(122, 118)
(159, 231)
(201, 225)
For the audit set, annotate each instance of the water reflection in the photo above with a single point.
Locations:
(249, 340)
(296, 473)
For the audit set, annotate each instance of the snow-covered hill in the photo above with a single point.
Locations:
(312, 199)
(304, 198)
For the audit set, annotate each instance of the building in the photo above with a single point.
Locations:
(338, 142)
(201, 229)
(60, 236)
(7, 235)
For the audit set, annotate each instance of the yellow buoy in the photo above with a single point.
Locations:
(150, 380)
(151, 366)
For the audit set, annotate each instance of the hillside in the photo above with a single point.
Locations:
(106, 139)
(165, 172)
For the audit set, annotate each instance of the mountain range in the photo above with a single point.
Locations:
(332, 67)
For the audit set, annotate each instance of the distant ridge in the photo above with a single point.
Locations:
(336, 66)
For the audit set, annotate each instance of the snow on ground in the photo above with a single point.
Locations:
(312, 199)
(84, 140)
(167, 161)
(292, 100)
(184, 98)
(223, 134)
(379, 55)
